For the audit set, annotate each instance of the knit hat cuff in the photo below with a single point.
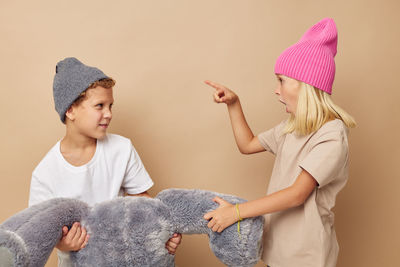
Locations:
(308, 64)
(71, 79)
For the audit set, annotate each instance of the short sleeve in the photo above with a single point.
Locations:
(38, 192)
(327, 157)
(270, 139)
(136, 179)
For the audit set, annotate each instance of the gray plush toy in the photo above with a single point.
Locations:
(130, 231)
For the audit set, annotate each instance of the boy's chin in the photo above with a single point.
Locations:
(99, 135)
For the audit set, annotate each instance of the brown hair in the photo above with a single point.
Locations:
(105, 83)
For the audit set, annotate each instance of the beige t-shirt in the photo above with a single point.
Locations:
(304, 236)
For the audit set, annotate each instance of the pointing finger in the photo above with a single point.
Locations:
(213, 84)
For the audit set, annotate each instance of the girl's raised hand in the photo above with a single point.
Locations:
(222, 94)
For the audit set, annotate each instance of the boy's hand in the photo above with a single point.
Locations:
(222, 217)
(74, 239)
(173, 243)
(223, 94)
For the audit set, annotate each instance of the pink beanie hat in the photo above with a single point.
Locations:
(311, 60)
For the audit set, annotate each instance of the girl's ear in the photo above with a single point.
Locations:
(70, 114)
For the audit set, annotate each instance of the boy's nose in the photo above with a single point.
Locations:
(108, 114)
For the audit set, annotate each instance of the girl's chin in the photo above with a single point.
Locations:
(289, 111)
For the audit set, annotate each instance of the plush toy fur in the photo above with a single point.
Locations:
(130, 231)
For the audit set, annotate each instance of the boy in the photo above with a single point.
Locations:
(87, 164)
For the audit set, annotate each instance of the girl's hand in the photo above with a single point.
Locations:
(73, 240)
(222, 217)
(223, 94)
(173, 243)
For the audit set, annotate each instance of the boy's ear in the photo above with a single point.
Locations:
(70, 114)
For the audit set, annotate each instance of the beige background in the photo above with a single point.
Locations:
(160, 52)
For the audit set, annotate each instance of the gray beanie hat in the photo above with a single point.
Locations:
(71, 79)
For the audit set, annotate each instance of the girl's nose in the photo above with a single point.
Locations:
(277, 90)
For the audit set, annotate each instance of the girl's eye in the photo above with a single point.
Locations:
(99, 105)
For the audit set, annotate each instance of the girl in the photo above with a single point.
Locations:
(311, 150)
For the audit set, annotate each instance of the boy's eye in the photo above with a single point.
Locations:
(99, 105)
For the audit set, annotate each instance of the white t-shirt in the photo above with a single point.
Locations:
(115, 168)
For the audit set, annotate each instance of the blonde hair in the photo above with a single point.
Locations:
(105, 83)
(314, 108)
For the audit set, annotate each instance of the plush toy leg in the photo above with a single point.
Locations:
(126, 232)
(231, 247)
(27, 238)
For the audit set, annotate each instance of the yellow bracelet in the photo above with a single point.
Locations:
(240, 218)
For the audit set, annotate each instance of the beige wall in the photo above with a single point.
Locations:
(160, 52)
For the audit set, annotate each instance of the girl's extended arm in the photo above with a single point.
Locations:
(290, 197)
(245, 139)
